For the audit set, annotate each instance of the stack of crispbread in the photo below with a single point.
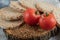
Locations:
(13, 17)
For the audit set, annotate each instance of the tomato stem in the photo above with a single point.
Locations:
(47, 14)
(37, 12)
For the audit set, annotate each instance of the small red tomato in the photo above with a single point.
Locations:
(31, 17)
(47, 21)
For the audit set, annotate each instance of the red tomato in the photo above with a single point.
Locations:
(30, 16)
(47, 22)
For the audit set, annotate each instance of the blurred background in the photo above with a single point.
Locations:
(5, 3)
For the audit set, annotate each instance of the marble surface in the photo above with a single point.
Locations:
(57, 37)
(2, 35)
(4, 3)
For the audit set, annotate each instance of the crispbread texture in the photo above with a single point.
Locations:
(45, 6)
(9, 14)
(27, 3)
(27, 32)
(9, 24)
(15, 5)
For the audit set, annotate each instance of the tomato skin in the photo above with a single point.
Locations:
(47, 22)
(30, 17)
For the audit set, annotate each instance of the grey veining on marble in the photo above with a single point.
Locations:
(2, 35)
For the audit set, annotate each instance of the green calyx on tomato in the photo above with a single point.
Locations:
(47, 14)
(37, 13)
